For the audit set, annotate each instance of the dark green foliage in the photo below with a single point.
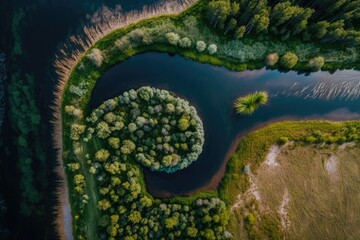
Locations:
(25, 120)
(248, 104)
(285, 19)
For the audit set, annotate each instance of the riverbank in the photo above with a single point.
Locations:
(253, 149)
(78, 80)
(65, 63)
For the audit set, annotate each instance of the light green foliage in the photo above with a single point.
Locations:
(212, 49)
(289, 60)
(114, 142)
(172, 38)
(96, 57)
(200, 46)
(76, 131)
(102, 155)
(316, 63)
(183, 124)
(248, 104)
(127, 147)
(102, 130)
(185, 42)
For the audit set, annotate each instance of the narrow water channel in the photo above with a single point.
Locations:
(212, 91)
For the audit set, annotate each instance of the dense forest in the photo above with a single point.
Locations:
(327, 21)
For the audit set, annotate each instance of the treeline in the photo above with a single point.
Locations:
(327, 21)
(25, 122)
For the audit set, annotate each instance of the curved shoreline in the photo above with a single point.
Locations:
(65, 62)
(215, 181)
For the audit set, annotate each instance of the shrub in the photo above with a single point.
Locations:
(200, 46)
(185, 42)
(96, 57)
(289, 60)
(248, 104)
(283, 140)
(272, 59)
(212, 49)
(316, 63)
(172, 38)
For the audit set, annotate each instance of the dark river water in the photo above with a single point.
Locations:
(212, 91)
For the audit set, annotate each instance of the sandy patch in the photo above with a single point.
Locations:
(331, 164)
(345, 145)
(272, 156)
(285, 221)
(252, 192)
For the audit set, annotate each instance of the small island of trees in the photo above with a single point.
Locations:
(152, 126)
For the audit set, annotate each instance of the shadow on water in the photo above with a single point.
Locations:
(212, 90)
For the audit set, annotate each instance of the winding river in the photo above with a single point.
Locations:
(212, 90)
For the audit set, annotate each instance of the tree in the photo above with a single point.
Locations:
(272, 59)
(104, 204)
(103, 130)
(171, 222)
(231, 25)
(127, 147)
(289, 60)
(212, 49)
(183, 124)
(239, 33)
(218, 12)
(114, 142)
(102, 155)
(200, 46)
(76, 131)
(316, 63)
(96, 57)
(191, 231)
(185, 42)
(172, 38)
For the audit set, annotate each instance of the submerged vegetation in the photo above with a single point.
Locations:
(247, 105)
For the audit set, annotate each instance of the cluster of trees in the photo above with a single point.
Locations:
(162, 132)
(25, 120)
(185, 42)
(349, 133)
(328, 21)
(152, 126)
(128, 213)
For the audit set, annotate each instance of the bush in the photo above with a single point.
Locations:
(272, 59)
(96, 57)
(283, 140)
(200, 46)
(316, 63)
(172, 38)
(289, 60)
(212, 49)
(185, 42)
(248, 104)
